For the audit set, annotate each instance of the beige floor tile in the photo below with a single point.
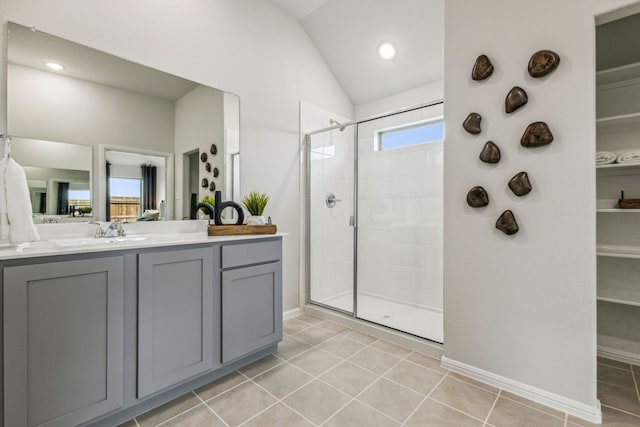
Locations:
(426, 361)
(507, 413)
(314, 335)
(464, 397)
(315, 361)
(220, 385)
(619, 398)
(618, 377)
(241, 403)
(168, 410)
(388, 347)
(317, 401)
(434, 414)
(341, 346)
(333, 327)
(358, 336)
(130, 423)
(415, 377)
(476, 383)
(374, 360)
(293, 326)
(291, 346)
(282, 380)
(200, 416)
(258, 367)
(394, 400)
(614, 363)
(610, 418)
(531, 404)
(278, 416)
(349, 378)
(309, 319)
(357, 414)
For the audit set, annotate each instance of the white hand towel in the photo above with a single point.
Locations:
(629, 157)
(16, 220)
(605, 158)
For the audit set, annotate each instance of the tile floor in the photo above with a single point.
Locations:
(328, 375)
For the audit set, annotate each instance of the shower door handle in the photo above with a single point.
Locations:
(331, 200)
(352, 220)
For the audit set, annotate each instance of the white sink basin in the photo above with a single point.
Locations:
(90, 241)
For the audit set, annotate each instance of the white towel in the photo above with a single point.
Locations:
(16, 221)
(605, 158)
(629, 157)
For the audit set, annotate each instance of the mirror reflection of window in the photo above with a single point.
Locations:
(79, 195)
(126, 199)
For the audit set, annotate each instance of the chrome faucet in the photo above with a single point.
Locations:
(99, 231)
(115, 230)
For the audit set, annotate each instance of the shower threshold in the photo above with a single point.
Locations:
(422, 322)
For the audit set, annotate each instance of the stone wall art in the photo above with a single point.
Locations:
(472, 123)
(482, 69)
(490, 153)
(477, 197)
(507, 223)
(542, 63)
(520, 184)
(516, 98)
(537, 134)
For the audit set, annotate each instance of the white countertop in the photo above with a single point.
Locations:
(60, 240)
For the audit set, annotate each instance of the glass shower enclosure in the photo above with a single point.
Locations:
(374, 219)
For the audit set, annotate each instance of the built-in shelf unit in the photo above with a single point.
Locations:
(618, 230)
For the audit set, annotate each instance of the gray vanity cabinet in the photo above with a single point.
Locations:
(251, 298)
(178, 300)
(63, 341)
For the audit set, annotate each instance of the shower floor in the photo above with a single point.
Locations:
(420, 321)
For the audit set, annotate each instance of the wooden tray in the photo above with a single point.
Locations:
(232, 230)
(629, 203)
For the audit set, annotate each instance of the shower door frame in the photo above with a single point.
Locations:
(307, 163)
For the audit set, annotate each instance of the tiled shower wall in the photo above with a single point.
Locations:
(400, 219)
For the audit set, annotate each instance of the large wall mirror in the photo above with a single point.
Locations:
(114, 139)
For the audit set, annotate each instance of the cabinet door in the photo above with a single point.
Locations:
(175, 317)
(63, 341)
(251, 309)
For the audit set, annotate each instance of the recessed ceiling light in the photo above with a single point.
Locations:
(54, 66)
(387, 51)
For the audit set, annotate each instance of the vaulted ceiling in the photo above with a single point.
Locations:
(347, 33)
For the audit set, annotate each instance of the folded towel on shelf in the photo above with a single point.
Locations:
(629, 157)
(605, 158)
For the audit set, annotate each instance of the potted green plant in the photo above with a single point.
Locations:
(255, 203)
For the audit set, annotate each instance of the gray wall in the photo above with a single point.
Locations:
(523, 307)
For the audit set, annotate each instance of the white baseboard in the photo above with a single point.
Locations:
(619, 355)
(291, 313)
(578, 409)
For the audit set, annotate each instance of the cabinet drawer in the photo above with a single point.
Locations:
(251, 253)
